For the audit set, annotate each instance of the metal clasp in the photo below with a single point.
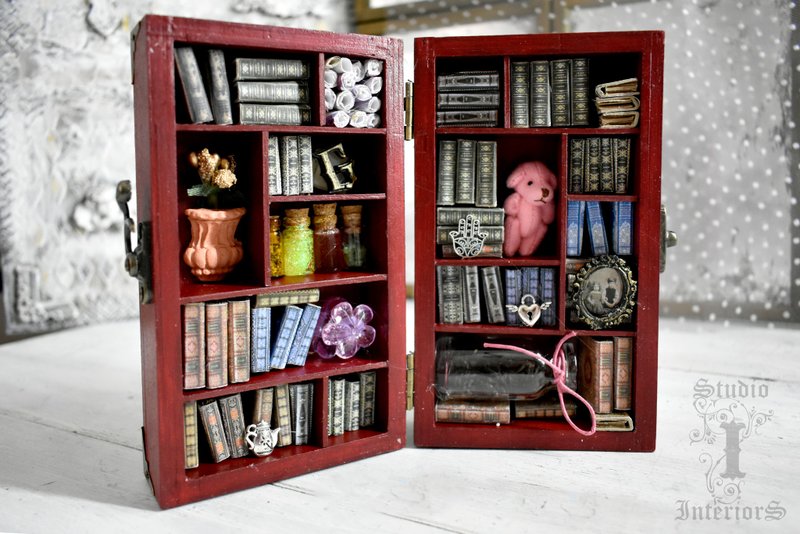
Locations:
(137, 262)
(668, 239)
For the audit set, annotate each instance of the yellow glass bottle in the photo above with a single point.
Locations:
(275, 247)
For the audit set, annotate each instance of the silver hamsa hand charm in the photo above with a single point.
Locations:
(468, 239)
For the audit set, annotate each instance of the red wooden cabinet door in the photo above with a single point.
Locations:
(611, 56)
(164, 138)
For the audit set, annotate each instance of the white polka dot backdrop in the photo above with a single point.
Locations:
(727, 177)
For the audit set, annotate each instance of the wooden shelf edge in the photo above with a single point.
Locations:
(603, 197)
(347, 197)
(315, 369)
(496, 329)
(202, 293)
(500, 262)
(488, 130)
(504, 330)
(376, 442)
(277, 128)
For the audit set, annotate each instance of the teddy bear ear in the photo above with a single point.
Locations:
(544, 172)
(516, 177)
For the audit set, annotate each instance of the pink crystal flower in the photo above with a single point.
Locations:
(346, 331)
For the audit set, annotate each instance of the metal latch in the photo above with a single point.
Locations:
(410, 381)
(408, 105)
(137, 262)
(668, 239)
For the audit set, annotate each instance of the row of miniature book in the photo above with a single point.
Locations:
(287, 408)
(224, 342)
(470, 294)
(276, 91)
(297, 168)
(596, 216)
(495, 386)
(467, 173)
(556, 93)
(599, 165)
(467, 169)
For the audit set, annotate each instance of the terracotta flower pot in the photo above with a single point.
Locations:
(214, 251)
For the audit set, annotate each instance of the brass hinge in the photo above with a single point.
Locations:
(408, 105)
(410, 381)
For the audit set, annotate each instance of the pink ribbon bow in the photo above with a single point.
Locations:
(559, 367)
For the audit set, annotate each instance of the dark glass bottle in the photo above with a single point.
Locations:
(355, 252)
(328, 255)
(496, 374)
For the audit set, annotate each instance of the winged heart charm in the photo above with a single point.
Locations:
(529, 313)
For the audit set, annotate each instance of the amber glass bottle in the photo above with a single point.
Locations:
(275, 247)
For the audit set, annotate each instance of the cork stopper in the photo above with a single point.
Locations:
(297, 217)
(325, 216)
(275, 223)
(351, 217)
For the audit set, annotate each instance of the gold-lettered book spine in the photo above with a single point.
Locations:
(192, 455)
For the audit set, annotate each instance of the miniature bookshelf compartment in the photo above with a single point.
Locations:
(610, 56)
(165, 137)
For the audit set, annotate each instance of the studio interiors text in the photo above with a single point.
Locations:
(730, 416)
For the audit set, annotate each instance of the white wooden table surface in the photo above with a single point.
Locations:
(71, 461)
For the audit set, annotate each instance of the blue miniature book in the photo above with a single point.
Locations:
(285, 337)
(513, 294)
(622, 234)
(305, 331)
(530, 283)
(259, 344)
(597, 228)
(575, 216)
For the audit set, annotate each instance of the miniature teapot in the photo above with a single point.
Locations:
(261, 439)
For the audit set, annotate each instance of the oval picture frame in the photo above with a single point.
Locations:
(603, 293)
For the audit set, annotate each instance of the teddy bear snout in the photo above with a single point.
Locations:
(545, 193)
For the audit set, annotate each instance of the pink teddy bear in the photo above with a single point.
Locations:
(530, 209)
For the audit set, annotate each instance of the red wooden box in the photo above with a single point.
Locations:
(165, 136)
(612, 56)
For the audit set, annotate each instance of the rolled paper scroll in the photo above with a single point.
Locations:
(330, 99)
(339, 64)
(346, 80)
(358, 119)
(374, 120)
(375, 84)
(329, 78)
(361, 92)
(359, 70)
(374, 67)
(370, 106)
(344, 101)
(340, 119)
